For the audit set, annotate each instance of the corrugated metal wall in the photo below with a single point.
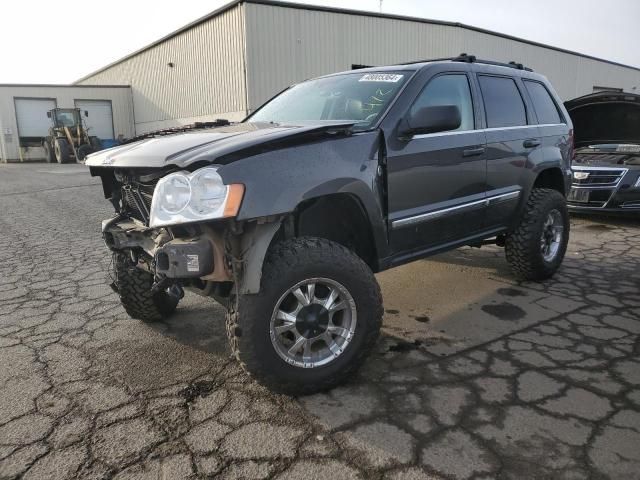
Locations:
(287, 45)
(65, 96)
(206, 82)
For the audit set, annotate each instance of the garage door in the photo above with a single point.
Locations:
(31, 114)
(100, 119)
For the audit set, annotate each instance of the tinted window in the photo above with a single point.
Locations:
(502, 102)
(543, 104)
(448, 90)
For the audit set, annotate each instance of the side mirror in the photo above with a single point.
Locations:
(438, 118)
(48, 114)
(86, 113)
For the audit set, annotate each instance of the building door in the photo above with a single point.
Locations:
(100, 118)
(32, 120)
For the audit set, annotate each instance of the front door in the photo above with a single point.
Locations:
(437, 182)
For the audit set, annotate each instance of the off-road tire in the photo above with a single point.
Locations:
(49, 156)
(522, 247)
(134, 288)
(287, 263)
(61, 149)
(83, 151)
(96, 143)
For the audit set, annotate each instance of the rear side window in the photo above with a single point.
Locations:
(545, 107)
(503, 103)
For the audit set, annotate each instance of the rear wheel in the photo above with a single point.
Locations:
(134, 288)
(95, 143)
(536, 248)
(49, 155)
(61, 150)
(83, 151)
(314, 321)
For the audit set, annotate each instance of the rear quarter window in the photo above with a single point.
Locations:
(546, 109)
(503, 103)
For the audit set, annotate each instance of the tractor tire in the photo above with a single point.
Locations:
(536, 248)
(49, 155)
(96, 143)
(82, 151)
(313, 323)
(134, 288)
(61, 150)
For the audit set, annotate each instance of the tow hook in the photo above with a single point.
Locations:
(176, 291)
(172, 288)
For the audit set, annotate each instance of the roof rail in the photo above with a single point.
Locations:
(463, 57)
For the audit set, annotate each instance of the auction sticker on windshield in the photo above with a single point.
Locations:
(381, 77)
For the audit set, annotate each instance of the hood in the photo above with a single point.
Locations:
(605, 118)
(214, 145)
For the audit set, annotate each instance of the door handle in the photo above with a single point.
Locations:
(472, 152)
(531, 143)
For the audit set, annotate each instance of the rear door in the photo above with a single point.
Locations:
(99, 119)
(436, 181)
(513, 140)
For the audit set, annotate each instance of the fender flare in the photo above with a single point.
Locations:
(254, 246)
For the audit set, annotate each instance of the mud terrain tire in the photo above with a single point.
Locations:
(288, 263)
(134, 289)
(523, 246)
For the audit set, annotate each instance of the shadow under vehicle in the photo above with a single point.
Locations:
(68, 138)
(606, 166)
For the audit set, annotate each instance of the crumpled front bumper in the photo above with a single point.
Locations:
(192, 257)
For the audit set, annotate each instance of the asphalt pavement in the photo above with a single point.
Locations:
(475, 376)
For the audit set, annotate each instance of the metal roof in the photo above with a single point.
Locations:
(344, 11)
(62, 85)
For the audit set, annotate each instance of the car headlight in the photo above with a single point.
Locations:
(185, 197)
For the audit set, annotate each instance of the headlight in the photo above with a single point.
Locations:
(191, 197)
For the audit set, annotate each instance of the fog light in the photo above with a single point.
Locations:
(580, 175)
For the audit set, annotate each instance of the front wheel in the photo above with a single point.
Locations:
(536, 248)
(315, 319)
(134, 288)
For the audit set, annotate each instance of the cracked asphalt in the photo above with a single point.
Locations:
(475, 376)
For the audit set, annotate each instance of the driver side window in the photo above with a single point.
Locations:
(449, 89)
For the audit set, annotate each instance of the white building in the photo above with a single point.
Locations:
(24, 121)
(229, 62)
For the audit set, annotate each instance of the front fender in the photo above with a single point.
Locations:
(276, 182)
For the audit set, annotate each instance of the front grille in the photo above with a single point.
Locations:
(596, 198)
(598, 177)
(136, 200)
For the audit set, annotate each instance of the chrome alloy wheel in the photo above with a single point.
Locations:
(551, 237)
(313, 323)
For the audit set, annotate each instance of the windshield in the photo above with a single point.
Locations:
(66, 119)
(359, 97)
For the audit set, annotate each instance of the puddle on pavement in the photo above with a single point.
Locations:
(504, 311)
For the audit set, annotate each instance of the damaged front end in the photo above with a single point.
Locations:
(197, 255)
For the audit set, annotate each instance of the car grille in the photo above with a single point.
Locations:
(599, 177)
(136, 200)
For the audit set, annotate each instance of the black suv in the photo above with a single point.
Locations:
(285, 217)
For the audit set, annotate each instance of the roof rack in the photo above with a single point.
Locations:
(221, 122)
(463, 57)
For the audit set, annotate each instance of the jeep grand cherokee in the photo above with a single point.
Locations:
(285, 217)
